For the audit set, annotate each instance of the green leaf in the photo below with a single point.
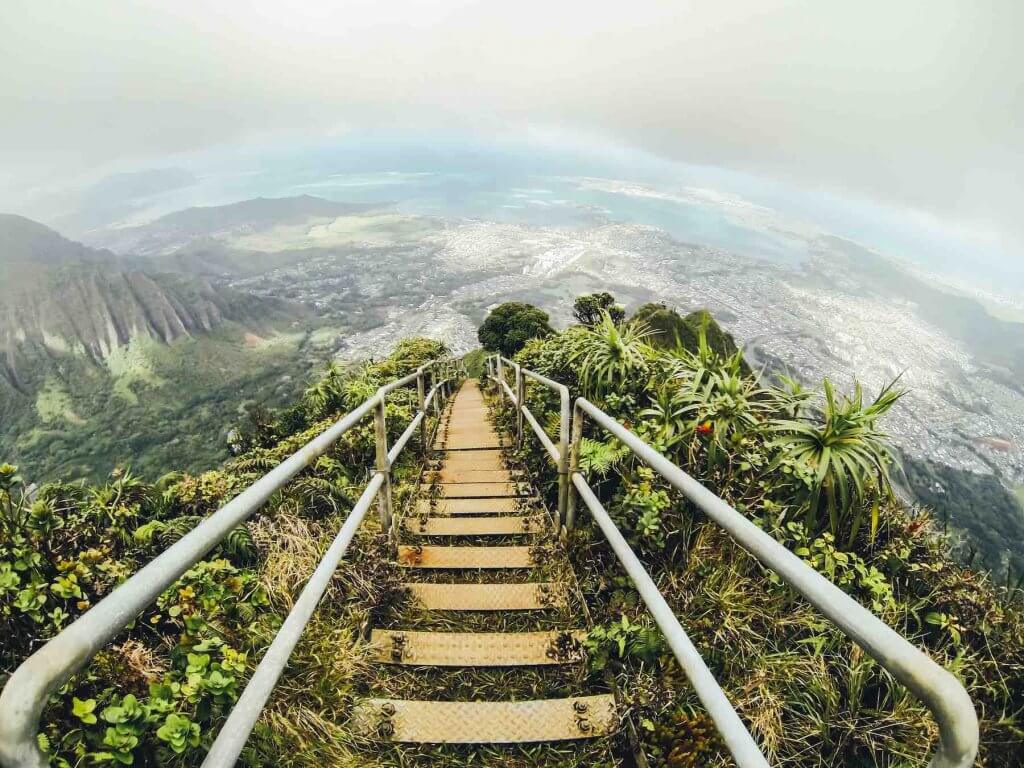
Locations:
(84, 710)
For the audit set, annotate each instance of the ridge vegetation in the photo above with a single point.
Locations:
(811, 468)
(105, 360)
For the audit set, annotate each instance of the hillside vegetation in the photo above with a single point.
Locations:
(811, 468)
(157, 695)
(104, 364)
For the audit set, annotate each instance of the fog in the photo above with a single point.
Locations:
(916, 105)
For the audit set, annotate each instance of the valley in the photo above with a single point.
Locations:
(314, 279)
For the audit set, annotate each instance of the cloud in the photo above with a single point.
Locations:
(917, 103)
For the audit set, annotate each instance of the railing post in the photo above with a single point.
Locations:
(563, 457)
(501, 378)
(421, 399)
(383, 466)
(520, 404)
(573, 468)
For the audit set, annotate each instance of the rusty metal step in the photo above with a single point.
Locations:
(466, 442)
(464, 557)
(483, 458)
(485, 722)
(477, 649)
(488, 597)
(508, 525)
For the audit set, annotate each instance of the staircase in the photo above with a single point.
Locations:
(490, 592)
(482, 660)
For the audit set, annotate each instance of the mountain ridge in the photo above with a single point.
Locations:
(89, 302)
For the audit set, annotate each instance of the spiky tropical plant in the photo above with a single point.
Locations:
(325, 394)
(843, 455)
(791, 396)
(723, 408)
(611, 356)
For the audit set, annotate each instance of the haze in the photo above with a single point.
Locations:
(915, 105)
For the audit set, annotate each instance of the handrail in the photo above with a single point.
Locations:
(734, 733)
(559, 455)
(236, 729)
(939, 690)
(24, 696)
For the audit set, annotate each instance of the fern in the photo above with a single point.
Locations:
(239, 544)
(255, 463)
(175, 529)
(598, 457)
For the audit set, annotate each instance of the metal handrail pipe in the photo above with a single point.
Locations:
(509, 392)
(939, 690)
(549, 383)
(236, 729)
(391, 386)
(561, 456)
(737, 738)
(541, 435)
(411, 429)
(396, 449)
(25, 693)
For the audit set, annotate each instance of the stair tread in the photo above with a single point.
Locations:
(482, 490)
(477, 649)
(488, 597)
(466, 443)
(446, 475)
(464, 557)
(485, 722)
(470, 506)
(507, 525)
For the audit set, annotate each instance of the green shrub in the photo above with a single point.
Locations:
(509, 326)
(811, 469)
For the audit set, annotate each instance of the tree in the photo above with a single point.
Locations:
(611, 356)
(510, 325)
(587, 308)
(668, 328)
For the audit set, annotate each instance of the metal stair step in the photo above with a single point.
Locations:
(477, 649)
(485, 722)
(448, 475)
(466, 442)
(482, 490)
(480, 458)
(489, 506)
(508, 525)
(464, 557)
(488, 597)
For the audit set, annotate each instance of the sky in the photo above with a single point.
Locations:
(917, 105)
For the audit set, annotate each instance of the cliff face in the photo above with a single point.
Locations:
(60, 298)
(92, 312)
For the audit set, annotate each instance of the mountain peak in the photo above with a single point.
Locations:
(23, 240)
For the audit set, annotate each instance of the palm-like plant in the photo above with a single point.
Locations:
(609, 356)
(725, 406)
(324, 394)
(791, 396)
(843, 457)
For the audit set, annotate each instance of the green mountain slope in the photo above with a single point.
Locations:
(102, 363)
